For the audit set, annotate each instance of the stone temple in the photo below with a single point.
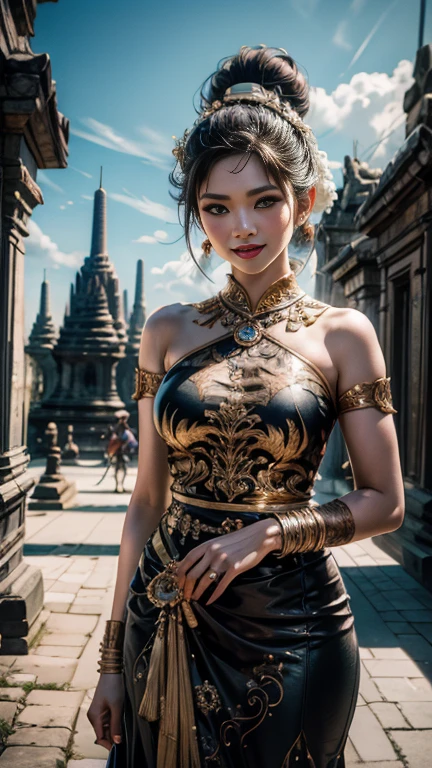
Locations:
(92, 342)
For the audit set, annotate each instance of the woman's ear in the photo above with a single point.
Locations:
(305, 205)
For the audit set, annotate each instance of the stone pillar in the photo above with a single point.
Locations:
(397, 220)
(33, 134)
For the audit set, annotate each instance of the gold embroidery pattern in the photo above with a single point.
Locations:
(369, 393)
(232, 452)
(178, 519)
(146, 383)
(207, 698)
(283, 300)
(265, 691)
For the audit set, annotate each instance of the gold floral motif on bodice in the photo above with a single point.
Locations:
(246, 422)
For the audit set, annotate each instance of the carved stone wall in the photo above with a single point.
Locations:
(33, 134)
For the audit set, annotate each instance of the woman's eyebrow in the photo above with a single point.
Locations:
(250, 193)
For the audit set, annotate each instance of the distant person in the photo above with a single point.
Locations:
(121, 443)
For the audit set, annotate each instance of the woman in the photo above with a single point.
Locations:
(235, 629)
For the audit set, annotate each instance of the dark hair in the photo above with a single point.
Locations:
(286, 149)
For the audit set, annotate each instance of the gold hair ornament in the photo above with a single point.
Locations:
(255, 93)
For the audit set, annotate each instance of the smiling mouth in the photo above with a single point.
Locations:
(248, 251)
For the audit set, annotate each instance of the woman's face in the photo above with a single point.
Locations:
(244, 209)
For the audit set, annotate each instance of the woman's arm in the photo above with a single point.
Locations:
(150, 495)
(377, 503)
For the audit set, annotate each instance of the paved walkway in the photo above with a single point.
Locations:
(45, 695)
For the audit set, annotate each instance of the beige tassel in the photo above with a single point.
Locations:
(189, 755)
(168, 738)
(150, 707)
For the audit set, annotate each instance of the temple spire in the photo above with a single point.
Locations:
(100, 185)
(43, 333)
(137, 318)
(99, 236)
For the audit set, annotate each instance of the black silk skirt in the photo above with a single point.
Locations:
(273, 664)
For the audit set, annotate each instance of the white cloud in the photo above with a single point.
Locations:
(335, 164)
(357, 5)
(367, 108)
(154, 151)
(39, 244)
(83, 173)
(147, 206)
(183, 274)
(371, 34)
(87, 197)
(340, 36)
(43, 179)
(70, 202)
(156, 237)
(305, 8)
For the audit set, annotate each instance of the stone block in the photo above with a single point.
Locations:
(368, 689)
(29, 757)
(8, 710)
(62, 586)
(392, 668)
(391, 615)
(48, 716)
(56, 638)
(398, 689)
(423, 616)
(73, 624)
(401, 599)
(368, 737)
(389, 653)
(89, 763)
(424, 629)
(47, 669)
(418, 714)
(88, 609)
(416, 646)
(401, 628)
(21, 677)
(415, 745)
(59, 651)
(56, 698)
(11, 694)
(40, 737)
(389, 715)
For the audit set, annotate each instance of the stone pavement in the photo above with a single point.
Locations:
(44, 696)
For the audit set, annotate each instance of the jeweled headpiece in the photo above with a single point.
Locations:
(255, 93)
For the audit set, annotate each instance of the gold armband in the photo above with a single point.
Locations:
(309, 529)
(369, 393)
(146, 383)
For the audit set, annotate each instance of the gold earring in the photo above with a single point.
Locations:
(206, 246)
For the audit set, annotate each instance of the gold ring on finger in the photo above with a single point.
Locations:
(212, 575)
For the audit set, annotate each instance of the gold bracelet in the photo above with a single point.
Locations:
(111, 648)
(310, 529)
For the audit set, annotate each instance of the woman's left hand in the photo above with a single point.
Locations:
(228, 555)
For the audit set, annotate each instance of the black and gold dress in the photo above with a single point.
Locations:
(267, 676)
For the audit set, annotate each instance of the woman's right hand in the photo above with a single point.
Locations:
(105, 711)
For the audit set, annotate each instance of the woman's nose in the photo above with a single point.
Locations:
(244, 227)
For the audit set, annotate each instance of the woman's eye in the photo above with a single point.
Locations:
(271, 200)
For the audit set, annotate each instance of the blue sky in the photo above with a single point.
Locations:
(126, 76)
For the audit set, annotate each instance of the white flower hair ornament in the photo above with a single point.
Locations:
(253, 92)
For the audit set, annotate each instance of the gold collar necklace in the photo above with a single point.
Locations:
(282, 300)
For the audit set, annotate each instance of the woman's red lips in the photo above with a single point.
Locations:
(248, 251)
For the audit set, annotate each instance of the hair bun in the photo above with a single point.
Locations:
(272, 68)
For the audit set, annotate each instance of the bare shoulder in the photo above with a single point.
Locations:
(160, 327)
(354, 346)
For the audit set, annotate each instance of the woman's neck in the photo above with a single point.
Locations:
(256, 285)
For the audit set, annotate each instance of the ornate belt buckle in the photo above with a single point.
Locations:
(163, 590)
